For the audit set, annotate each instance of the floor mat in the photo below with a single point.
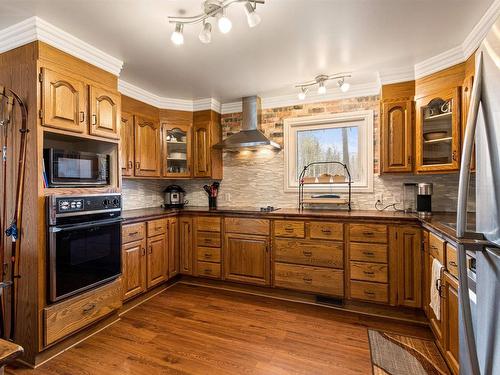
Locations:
(403, 355)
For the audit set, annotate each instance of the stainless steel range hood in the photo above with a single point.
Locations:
(250, 137)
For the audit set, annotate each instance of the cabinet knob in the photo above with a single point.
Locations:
(130, 164)
(88, 308)
(82, 116)
(137, 165)
(307, 253)
(94, 119)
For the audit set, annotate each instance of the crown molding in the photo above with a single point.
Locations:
(478, 33)
(233, 107)
(403, 74)
(35, 28)
(205, 104)
(439, 62)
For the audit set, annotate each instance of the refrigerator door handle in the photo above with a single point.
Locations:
(463, 190)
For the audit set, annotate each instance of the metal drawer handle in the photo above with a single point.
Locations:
(208, 255)
(130, 164)
(208, 271)
(369, 293)
(452, 263)
(82, 116)
(368, 253)
(326, 231)
(439, 287)
(207, 240)
(369, 272)
(288, 229)
(307, 253)
(94, 119)
(133, 233)
(307, 280)
(368, 233)
(88, 308)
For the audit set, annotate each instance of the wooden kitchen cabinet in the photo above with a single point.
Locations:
(134, 268)
(177, 150)
(247, 258)
(438, 132)
(408, 242)
(396, 136)
(173, 247)
(186, 245)
(63, 102)
(207, 161)
(450, 322)
(147, 143)
(157, 259)
(104, 112)
(127, 144)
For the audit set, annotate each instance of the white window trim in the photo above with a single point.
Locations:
(291, 125)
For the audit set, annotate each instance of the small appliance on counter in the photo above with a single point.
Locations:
(410, 197)
(424, 200)
(174, 197)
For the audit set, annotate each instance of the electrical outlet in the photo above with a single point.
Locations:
(380, 197)
(227, 197)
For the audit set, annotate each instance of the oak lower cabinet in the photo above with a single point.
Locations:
(134, 268)
(157, 260)
(173, 247)
(450, 321)
(185, 245)
(208, 244)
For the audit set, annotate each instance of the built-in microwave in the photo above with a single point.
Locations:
(65, 168)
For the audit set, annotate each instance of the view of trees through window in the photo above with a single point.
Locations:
(328, 144)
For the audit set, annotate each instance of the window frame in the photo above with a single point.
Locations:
(365, 138)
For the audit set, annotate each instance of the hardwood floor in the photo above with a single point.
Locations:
(196, 330)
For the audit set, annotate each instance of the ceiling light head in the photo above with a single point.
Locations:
(321, 88)
(344, 86)
(206, 33)
(302, 93)
(253, 18)
(177, 36)
(224, 23)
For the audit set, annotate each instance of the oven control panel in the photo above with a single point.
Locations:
(88, 203)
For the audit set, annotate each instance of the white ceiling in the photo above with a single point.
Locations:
(296, 40)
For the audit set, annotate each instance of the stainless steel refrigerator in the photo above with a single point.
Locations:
(479, 286)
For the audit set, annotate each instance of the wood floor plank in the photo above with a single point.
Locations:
(195, 330)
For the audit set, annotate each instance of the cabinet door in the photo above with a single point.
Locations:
(157, 260)
(450, 321)
(409, 250)
(127, 144)
(438, 132)
(186, 245)
(133, 268)
(63, 102)
(173, 247)
(177, 149)
(397, 137)
(147, 147)
(201, 162)
(426, 282)
(246, 259)
(105, 112)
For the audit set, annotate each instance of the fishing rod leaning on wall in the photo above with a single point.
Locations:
(8, 99)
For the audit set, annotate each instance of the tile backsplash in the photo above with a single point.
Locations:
(256, 178)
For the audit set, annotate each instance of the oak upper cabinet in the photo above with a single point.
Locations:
(397, 137)
(407, 241)
(438, 132)
(207, 161)
(186, 245)
(157, 260)
(147, 143)
(134, 268)
(104, 112)
(450, 322)
(173, 247)
(63, 102)
(127, 144)
(177, 149)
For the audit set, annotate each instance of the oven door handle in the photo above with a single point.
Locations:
(55, 229)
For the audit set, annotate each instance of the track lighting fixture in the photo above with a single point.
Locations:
(178, 36)
(214, 9)
(321, 80)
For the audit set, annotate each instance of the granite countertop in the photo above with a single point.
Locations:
(437, 223)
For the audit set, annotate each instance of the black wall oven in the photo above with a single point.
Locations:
(75, 168)
(84, 243)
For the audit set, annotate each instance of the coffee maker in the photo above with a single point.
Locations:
(424, 200)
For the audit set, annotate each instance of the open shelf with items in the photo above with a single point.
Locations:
(325, 180)
(177, 156)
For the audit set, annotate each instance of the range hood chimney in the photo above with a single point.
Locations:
(250, 137)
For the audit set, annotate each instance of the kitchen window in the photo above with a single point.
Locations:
(344, 137)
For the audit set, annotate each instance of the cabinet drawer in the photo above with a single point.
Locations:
(208, 239)
(369, 291)
(368, 271)
(436, 247)
(71, 315)
(368, 252)
(288, 228)
(246, 226)
(133, 232)
(208, 254)
(368, 233)
(312, 253)
(309, 279)
(451, 260)
(326, 231)
(156, 227)
(208, 223)
(208, 269)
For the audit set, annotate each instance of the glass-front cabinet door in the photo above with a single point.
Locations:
(438, 132)
(177, 151)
